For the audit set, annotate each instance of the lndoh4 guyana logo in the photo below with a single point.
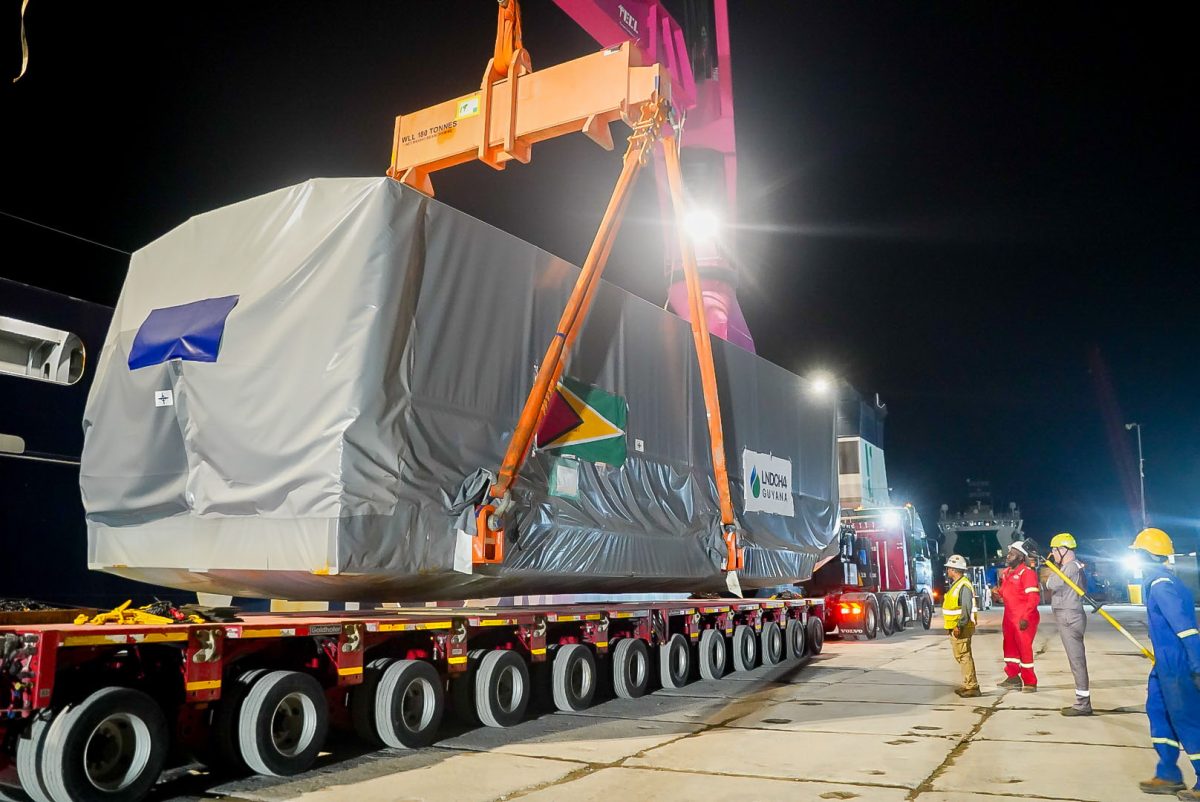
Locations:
(768, 484)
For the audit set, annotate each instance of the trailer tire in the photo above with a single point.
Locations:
(283, 723)
(745, 648)
(29, 757)
(111, 746)
(224, 756)
(925, 610)
(712, 653)
(501, 688)
(408, 702)
(816, 636)
(887, 615)
(770, 644)
(675, 661)
(573, 677)
(462, 690)
(796, 639)
(362, 702)
(631, 668)
(870, 619)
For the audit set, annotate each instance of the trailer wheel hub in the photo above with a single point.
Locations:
(510, 689)
(117, 752)
(417, 706)
(293, 724)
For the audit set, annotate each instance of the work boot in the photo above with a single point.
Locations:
(968, 693)
(1160, 786)
(1193, 794)
(1070, 712)
(1029, 688)
(1011, 682)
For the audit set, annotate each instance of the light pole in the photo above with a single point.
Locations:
(1141, 468)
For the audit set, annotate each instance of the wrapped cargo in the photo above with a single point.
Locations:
(295, 391)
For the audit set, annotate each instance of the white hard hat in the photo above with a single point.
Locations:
(957, 561)
(1020, 546)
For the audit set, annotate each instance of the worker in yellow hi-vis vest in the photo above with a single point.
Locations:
(958, 614)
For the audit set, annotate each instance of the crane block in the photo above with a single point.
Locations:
(584, 95)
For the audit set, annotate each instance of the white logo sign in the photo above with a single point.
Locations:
(767, 484)
(164, 398)
(628, 20)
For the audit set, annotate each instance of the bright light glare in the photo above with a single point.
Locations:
(820, 384)
(700, 224)
(1132, 563)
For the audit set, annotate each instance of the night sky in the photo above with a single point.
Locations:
(983, 212)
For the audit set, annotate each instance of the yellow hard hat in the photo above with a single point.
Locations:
(1155, 541)
(1064, 540)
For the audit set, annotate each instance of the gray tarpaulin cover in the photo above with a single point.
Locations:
(294, 389)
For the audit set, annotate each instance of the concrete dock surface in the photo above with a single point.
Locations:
(874, 721)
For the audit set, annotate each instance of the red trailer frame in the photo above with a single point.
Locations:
(191, 672)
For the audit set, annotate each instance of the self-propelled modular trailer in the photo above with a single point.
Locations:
(98, 711)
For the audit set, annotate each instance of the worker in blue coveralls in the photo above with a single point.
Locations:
(1173, 695)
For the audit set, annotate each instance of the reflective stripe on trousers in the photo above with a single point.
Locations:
(1072, 624)
(1173, 707)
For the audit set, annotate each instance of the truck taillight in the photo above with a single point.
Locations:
(852, 608)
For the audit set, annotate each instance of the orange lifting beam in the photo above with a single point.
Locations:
(497, 125)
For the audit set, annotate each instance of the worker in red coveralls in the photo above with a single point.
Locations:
(1020, 592)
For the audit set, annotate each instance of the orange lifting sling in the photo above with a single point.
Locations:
(488, 544)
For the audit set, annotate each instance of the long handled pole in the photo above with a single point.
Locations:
(1149, 655)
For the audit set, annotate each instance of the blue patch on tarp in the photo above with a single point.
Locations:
(190, 331)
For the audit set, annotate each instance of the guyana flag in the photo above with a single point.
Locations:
(585, 422)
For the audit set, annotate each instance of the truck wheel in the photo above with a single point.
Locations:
(224, 756)
(675, 661)
(887, 615)
(631, 668)
(712, 654)
(745, 648)
(29, 756)
(501, 688)
(573, 680)
(816, 635)
(925, 610)
(901, 613)
(870, 619)
(111, 746)
(283, 723)
(770, 644)
(362, 702)
(407, 704)
(462, 690)
(796, 639)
